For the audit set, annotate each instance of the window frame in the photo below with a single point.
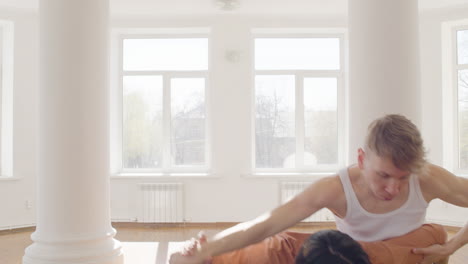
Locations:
(6, 100)
(117, 75)
(450, 103)
(300, 75)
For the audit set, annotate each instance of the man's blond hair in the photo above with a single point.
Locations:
(395, 137)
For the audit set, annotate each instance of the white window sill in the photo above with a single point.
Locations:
(8, 178)
(288, 175)
(457, 172)
(463, 175)
(154, 175)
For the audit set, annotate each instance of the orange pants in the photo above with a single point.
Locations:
(283, 248)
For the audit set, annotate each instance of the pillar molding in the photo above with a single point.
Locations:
(383, 64)
(73, 201)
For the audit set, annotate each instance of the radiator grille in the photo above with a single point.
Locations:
(290, 189)
(161, 203)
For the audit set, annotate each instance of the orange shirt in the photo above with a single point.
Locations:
(283, 248)
(398, 250)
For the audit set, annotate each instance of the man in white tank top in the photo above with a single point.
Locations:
(384, 195)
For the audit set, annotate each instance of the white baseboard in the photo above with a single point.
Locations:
(445, 222)
(2, 228)
(124, 220)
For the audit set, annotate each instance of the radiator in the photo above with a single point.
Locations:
(290, 189)
(161, 203)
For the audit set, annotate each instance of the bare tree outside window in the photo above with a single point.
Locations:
(188, 121)
(321, 121)
(462, 59)
(274, 122)
(142, 122)
(463, 118)
(163, 103)
(296, 103)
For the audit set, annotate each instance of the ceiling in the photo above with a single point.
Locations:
(168, 7)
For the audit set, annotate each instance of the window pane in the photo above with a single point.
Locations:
(463, 134)
(463, 85)
(275, 141)
(462, 46)
(297, 53)
(142, 121)
(321, 124)
(165, 54)
(188, 121)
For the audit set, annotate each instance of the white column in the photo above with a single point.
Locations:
(383, 64)
(73, 207)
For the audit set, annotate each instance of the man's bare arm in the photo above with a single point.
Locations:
(315, 197)
(442, 184)
(435, 253)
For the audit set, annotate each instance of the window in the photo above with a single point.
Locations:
(298, 102)
(462, 97)
(163, 95)
(455, 35)
(6, 98)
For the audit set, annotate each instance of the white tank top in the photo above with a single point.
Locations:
(365, 226)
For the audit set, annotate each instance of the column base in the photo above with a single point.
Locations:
(100, 251)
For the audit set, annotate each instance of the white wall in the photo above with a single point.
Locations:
(227, 196)
(15, 193)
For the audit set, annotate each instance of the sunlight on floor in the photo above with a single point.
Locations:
(149, 252)
(140, 252)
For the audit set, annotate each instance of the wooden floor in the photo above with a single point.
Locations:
(150, 244)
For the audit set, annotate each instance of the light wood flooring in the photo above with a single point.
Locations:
(150, 243)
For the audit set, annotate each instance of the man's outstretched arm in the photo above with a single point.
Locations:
(442, 184)
(438, 252)
(306, 203)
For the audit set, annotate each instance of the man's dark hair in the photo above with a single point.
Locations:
(331, 246)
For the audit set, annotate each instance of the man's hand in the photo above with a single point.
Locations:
(432, 254)
(190, 252)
